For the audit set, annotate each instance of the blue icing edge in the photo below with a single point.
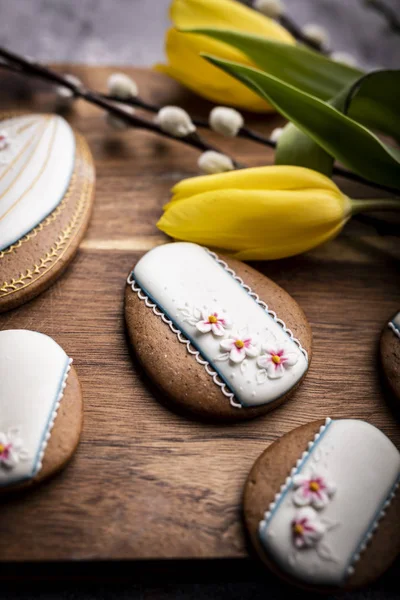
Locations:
(264, 524)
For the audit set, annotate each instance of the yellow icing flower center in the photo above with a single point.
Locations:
(239, 344)
(276, 359)
(314, 486)
(298, 529)
(2, 448)
(212, 319)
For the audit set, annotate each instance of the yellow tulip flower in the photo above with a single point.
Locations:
(259, 213)
(183, 49)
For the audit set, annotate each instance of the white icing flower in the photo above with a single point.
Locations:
(214, 321)
(10, 449)
(4, 140)
(226, 121)
(175, 121)
(211, 162)
(307, 528)
(238, 347)
(312, 489)
(276, 360)
(122, 86)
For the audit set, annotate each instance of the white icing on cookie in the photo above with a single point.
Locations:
(330, 506)
(394, 324)
(33, 373)
(252, 353)
(36, 164)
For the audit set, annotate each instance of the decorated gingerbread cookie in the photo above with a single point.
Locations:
(321, 507)
(217, 337)
(46, 194)
(390, 353)
(40, 408)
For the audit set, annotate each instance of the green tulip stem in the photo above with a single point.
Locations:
(374, 204)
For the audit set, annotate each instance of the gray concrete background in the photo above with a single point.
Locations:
(131, 31)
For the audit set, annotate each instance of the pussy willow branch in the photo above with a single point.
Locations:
(386, 11)
(250, 134)
(23, 66)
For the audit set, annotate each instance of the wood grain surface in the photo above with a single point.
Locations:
(145, 482)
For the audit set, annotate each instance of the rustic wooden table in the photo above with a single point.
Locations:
(147, 483)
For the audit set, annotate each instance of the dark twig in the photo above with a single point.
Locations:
(21, 65)
(35, 69)
(297, 33)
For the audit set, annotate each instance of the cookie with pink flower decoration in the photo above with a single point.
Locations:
(322, 507)
(40, 408)
(221, 340)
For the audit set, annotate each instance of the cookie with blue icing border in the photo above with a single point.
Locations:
(390, 353)
(41, 408)
(321, 505)
(46, 194)
(219, 339)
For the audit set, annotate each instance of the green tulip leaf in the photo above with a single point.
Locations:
(340, 136)
(374, 92)
(297, 148)
(315, 74)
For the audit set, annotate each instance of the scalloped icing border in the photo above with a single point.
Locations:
(196, 353)
(285, 486)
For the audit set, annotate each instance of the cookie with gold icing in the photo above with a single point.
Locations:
(390, 353)
(321, 505)
(46, 195)
(219, 339)
(41, 408)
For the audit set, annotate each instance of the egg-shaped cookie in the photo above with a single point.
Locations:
(321, 505)
(218, 338)
(390, 353)
(46, 195)
(41, 408)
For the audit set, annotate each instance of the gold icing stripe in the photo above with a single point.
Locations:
(38, 176)
(26, 126)
(50, 219)
(16, 159)
(63, 242)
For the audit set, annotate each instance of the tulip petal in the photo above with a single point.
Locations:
(187, 66)
(276, 177)
(258, 224)
(226, 14)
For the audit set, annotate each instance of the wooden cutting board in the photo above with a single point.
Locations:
(145, 482)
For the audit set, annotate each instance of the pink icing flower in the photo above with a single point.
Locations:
(9, 447)
(276, 361)
(4, 141)
(312, 489)
(237, 347)
(214, 321)
(307, 529)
